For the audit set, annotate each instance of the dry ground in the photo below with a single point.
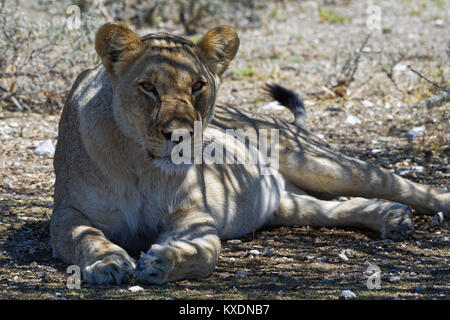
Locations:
(294, 45)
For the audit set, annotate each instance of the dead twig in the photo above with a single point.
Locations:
(104, 12)
(343, 77)
(446, 90)
(18, 104)
(18, 74)
(351, 65)
(389, 71)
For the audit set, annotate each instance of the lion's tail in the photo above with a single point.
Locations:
(290, 100)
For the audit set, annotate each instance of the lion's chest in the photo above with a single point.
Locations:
(139, 205)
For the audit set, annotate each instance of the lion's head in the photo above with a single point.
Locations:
(163, 82)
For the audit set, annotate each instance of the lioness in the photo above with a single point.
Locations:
(118, 192)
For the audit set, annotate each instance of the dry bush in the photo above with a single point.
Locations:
(39, 60)
(189, 14)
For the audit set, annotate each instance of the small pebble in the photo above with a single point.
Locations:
(439, 23)
(376, 151)
(415, 132)
(274, 105)
(367, 264)
(394, 279)
(136, 289)
(343, 256)
(417, 169)
(347, 294)
(241, 273)
(367, 104)
(45, 149)
(352, 120)
(437, 219)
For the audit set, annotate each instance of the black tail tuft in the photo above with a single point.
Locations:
(290, 100)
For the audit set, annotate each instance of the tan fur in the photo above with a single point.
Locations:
(117, 192)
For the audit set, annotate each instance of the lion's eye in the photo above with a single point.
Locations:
(148, 86)
(197, 86)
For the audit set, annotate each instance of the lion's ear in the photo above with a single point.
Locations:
(218, 47)
(117, 46)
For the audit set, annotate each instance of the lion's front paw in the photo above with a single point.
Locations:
(113, 269)
(155, 265)
(398, 222)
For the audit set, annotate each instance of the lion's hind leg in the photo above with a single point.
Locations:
(329, 174)
(392, 220)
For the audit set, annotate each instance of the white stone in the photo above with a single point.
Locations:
(376, 151)
(274, 105)
(136, 289)
(352, 120)
(255, 252)
(438, 23)
(343, 256)
(399, 68)
(347, 294)
(45, 148)
(417, 169)
(367, 104)
(415, 132)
